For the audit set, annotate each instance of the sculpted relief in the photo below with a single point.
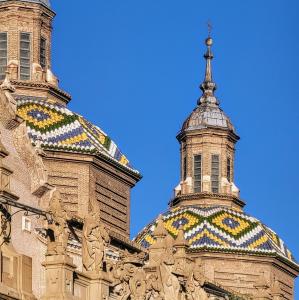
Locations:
(8, 106)
(165, 272)
(175, 276)
(31, 155)
(95, 238)
(58, 230)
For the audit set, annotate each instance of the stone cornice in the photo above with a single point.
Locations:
(182, 199)
(64, 96)
(230, 254)
(93, 158)
(32, 5)
(209, 130)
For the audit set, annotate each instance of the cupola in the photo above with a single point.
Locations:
(207, 140)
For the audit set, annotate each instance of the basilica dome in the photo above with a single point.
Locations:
(218, 228)
(55, 127)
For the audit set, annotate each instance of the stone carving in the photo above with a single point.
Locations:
(37, 71)
(58, 230)
(51, 78)
(194, 284)
(174, 276)
(8, 105)
(32, 158)
(154, 288)
(95, 238)
(13, 69)
(129, 279)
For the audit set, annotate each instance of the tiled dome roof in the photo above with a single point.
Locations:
(57, 128)
(43, 2)
(204, 116)
(218, 228)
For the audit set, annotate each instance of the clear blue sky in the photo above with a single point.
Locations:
(133, 68)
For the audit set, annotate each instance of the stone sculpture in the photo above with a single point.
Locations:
(95, 238)
(174, 276)
(58, 230)
(32, 158)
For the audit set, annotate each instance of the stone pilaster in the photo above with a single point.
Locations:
(59, 278)
(98, 285)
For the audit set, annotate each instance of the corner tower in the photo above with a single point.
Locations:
(25, 48)
(80, 159)
(207, 140)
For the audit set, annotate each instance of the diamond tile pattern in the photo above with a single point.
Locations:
(218, 228)
(56, 127)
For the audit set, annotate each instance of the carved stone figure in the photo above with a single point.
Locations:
(171, 284)
(58, 230)
(8, 105)
(95, 238)
(32, 159)
(13, 69)
(194, 290)
(37, 71)
(129, 278)
(154, 289)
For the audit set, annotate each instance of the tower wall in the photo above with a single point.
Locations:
(18, 17)
(207, 143)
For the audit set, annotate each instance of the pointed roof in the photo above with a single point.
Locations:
(207, 113)
(43, 2)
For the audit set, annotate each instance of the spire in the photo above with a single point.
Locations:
(208, 86)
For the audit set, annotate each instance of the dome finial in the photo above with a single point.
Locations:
(208, 86)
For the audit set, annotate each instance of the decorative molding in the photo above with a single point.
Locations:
(32, 157)
(204, 195)
(8, 105)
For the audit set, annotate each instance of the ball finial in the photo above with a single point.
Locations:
(209, 41)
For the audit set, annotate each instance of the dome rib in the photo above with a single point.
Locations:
(204, 116)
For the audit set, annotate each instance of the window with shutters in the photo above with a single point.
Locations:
(215, 173)
(43, 58)
(185, 168)
(25, 53)
(197, 173)
(3, 54)
(228, 169)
